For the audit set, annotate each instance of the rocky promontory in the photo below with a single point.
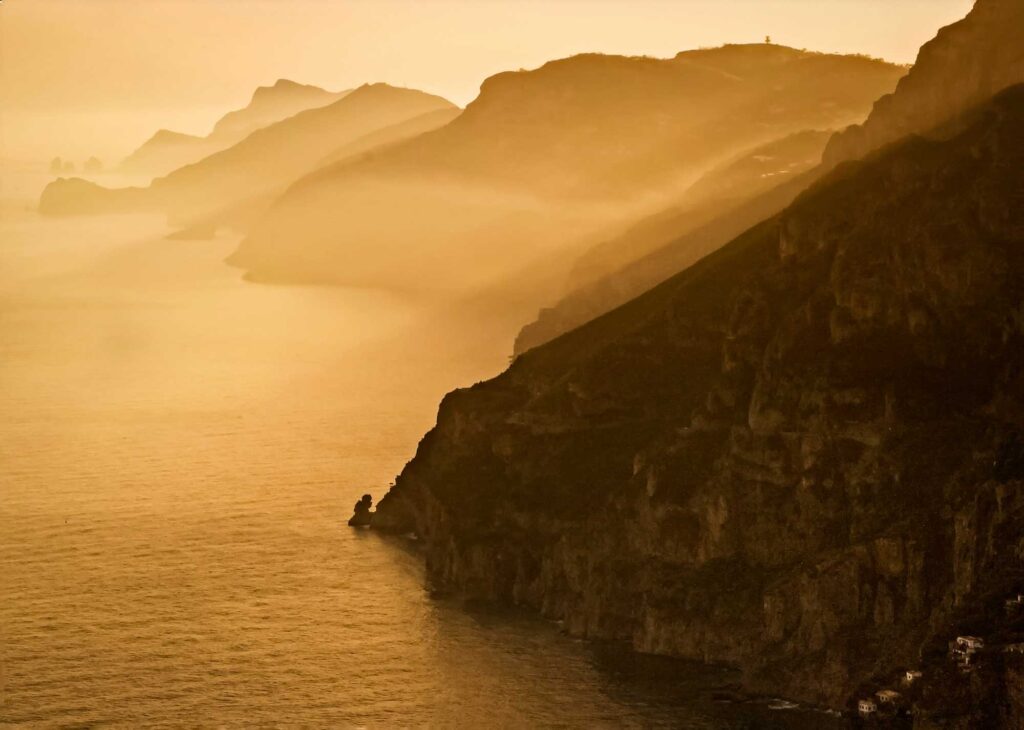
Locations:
(803, 455)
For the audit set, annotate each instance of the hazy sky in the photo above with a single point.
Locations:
(120, 68)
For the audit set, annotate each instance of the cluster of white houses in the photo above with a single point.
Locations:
(888, 698)
(963, 649)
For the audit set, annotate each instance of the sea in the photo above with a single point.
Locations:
(179, 452)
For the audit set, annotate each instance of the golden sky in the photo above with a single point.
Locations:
(121, 68)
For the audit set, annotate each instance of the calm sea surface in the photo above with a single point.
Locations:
(179, 451)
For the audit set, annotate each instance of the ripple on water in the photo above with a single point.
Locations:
(178, 456)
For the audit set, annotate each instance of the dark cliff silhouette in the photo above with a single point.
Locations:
(361, 514)
(799, 454)
(785, 456)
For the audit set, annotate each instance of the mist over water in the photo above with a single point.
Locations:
(179, 453)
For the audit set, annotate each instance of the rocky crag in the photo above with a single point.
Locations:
(965, 64)
(803, 455)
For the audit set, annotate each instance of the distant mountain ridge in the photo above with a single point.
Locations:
(263, 163)
(965, 64)
(284, 151)
(167, 150)
(271, 104)
(568, 115)
(511, 177)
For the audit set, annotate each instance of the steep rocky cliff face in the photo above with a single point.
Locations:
(803, 455)
(965, 64)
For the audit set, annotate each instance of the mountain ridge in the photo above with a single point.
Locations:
(966, 63)
(540, 153)
(167, 150)
(265, 161)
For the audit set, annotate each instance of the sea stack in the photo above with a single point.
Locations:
(361, 514)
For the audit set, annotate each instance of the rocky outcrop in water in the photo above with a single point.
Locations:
(362, 516)
(802, 455)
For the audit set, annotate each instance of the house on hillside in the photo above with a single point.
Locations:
(867, 706)
(969, 644)
(888, 696)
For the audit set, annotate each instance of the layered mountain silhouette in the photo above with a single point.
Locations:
(166, 150)
(802, 455)
(266, 161)
(271, 104)
(787, 456)
(242, 215)
(734, 181)
(719, 207)
(547, 157)
(966, 63)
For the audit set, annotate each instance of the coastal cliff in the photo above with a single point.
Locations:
(803, 455)
(965, 64)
